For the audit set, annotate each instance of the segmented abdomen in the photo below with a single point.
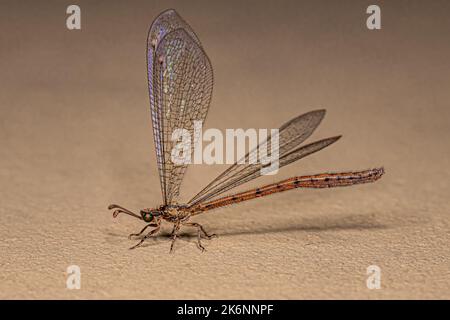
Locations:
(323, 180)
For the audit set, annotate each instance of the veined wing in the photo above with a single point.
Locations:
(290, 136)
(166, 22)
(248, 175)
(180, 87)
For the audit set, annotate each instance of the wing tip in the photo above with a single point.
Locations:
(333, 139)
(320, 112)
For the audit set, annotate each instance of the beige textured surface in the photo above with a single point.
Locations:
(75, 134)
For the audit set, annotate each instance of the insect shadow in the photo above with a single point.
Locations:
(349, 222)
(317, 224)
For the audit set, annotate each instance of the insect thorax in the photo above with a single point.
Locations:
(175, 211)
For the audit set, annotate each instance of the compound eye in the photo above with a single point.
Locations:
(147, 216)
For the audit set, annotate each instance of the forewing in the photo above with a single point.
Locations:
(180, 83)
(290, 135)
(164, 23)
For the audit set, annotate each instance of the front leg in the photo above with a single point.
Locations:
(138, 234)
(148, 235)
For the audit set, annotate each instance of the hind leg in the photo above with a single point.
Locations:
(201, 233)
(202, 230)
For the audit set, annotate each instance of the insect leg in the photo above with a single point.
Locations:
(174, 234)
(138, 234)
(148, 235)
(204, 235)
(201, 233)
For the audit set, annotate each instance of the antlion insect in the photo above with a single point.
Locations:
(180, 82)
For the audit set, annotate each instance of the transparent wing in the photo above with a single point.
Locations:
(248, 175)
(290, 136)
(166, 22)
(180, 87)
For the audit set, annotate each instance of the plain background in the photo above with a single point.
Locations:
(75, 136)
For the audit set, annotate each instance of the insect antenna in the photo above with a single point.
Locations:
(122, 210)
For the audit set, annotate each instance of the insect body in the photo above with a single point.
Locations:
(180, 81)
